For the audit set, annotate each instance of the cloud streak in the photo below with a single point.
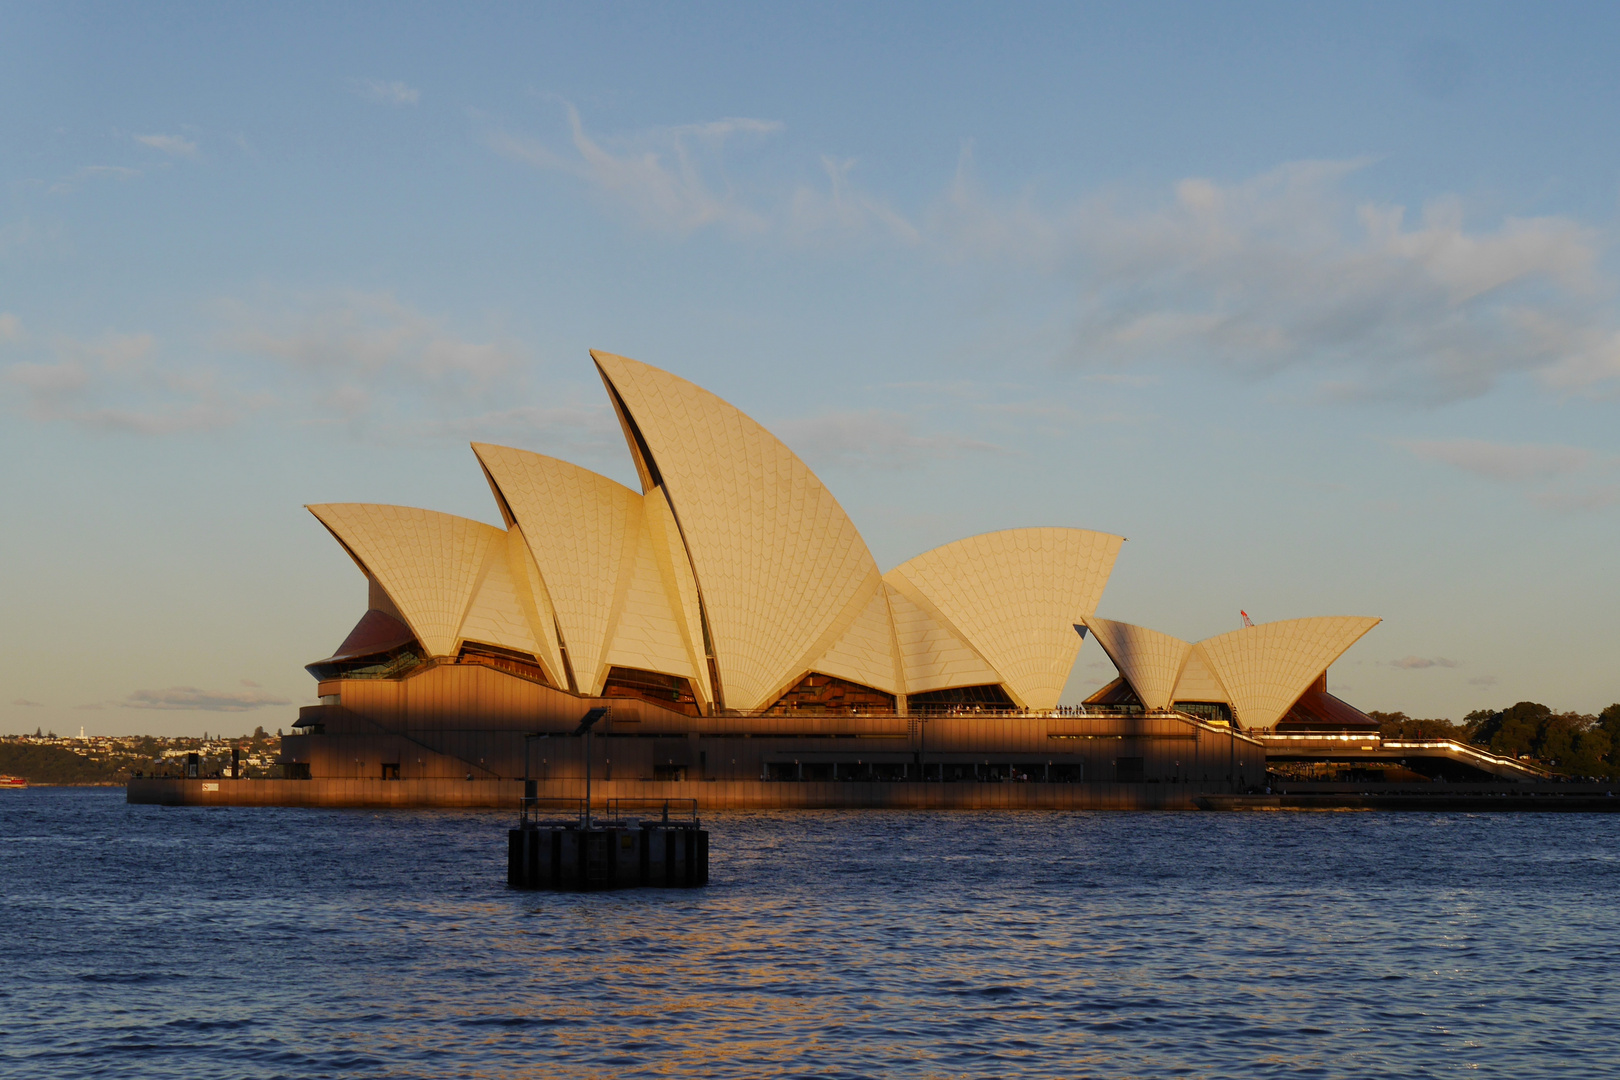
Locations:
(173, 145)
(191, 698)
(1419, 663)
(116, 382)
(1280, 273)
(669, 179)
(675, 180)
(361, 359)
(385, 92)
(1561, 475)
(1503, 462)
(872, 439)
(1283, 272)
(95, 172)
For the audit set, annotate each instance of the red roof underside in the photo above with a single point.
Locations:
(1319, 710)
(374, 633)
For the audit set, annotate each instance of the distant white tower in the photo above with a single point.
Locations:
(81, 731)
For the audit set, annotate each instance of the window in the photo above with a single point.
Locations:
(510, 661)
(1211, 712)
(669, 691)
(961, 699)
(818, 694)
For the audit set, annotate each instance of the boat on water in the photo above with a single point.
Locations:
(13, 781)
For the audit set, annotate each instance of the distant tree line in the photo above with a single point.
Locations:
(58, 765)
(1575, 744)
(62, 765)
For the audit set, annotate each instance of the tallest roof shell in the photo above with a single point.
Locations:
(778, 563)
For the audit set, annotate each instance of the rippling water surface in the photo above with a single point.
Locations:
(153, 942)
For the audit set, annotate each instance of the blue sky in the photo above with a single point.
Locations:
(1314, 303)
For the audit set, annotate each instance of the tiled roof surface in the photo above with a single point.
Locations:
(1266, 668)
(776, 558)
(427, 562)
(1015, 596)
(1149, 661)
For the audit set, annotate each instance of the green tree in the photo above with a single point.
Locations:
(1590, 756)
(56, 765)
(1556, 737)
(1397, 725)
(1514, 731)
(1389, 723)
(1608, 722)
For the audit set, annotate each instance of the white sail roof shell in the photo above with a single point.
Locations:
(1150, 661)
(734, 558)
(646, 632)
(933, 656)
(776, 559)
(598, 551)
(1266, 668)
(581, 528)
(1016, 596)
(498, 614)
(1198, 681)
(428, 563)
(865, 652)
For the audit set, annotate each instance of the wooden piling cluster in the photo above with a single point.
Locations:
(573, 858)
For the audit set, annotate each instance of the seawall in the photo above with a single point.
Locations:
(710, 795)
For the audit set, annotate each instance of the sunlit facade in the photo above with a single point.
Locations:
(732, 598)
(732, 582)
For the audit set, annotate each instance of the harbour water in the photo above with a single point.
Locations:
(145, 941)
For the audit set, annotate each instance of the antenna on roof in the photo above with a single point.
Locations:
(1246, 620)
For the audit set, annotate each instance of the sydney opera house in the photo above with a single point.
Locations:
(752, 652)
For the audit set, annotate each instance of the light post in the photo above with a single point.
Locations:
(587, 722)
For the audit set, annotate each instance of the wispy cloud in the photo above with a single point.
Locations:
(386, 92)
(1282, 272)
(93, 172)
(582, 421)
(1509, 463)
(872, 439)
(367, 358)
(1418, 663)
(364, 333)
(364, 360)
(1135, 382)
(173, 145)
(1037, 409)
(670, 179)
(1482, 680)
(191, 698)
(25, 703)
(114, 382)
(675, 179)
(1593, 498)
(841, 210)
(1569, 470)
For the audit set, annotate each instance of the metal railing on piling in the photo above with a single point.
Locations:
(549, 813)
(669, 813)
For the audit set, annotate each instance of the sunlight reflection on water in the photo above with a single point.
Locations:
(151, 942)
